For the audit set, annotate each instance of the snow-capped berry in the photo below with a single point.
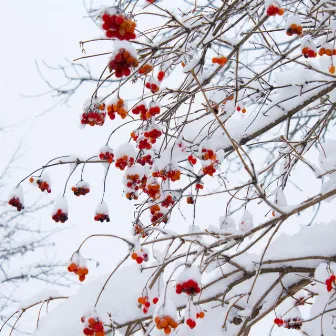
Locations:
(106, 154)
(15, 198)
(81, 189)
(93, 112)
(60, 210)
(102, 213)
(78, 266)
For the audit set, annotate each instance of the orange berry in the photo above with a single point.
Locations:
(100, 333)
(72, 267)
(163, 323)
(134, 256)
(167, 330)
(329, 52)
(281, 11)
(31, 180)
(201, 314)
(91, 322)
(215, 60)
(332, 69)
(157, 319)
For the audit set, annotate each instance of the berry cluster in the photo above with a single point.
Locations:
(16, 203)
(241, 109)
(143, 301)
(329, 282)
(145, 158)
(327, 50)
(133, 182)
(81, 189)
(292, 323)
(42, 182)
(210, 157)
(118, 26)
(294, 29)
(82, 272)
(101, 217)
(199, 186)
(192, 160)
(124, 161)
(138, 229)
(93, 326)
(200, 315)
(153, 134)
(117, 107)
(140, 256)
(171, 174)
(191, 323)
(168, 201)
(273, 10)
(106, 153)
(145, 69)
(219, 60)
(161, 75)
(122, 63)
(165, 323)
(140, 109)
(153, 189)
(308, 53)
(153, 85)
(190, 287)
(154, 109)
(157, 215)
(60, 216)
(94, 113)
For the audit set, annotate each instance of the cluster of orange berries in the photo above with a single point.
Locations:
(81, 189)
(327, 51)
(94, 327)
(274, 10)
(122, 63)
(199, 186)
(42, 185)
(118, 26)
(118, 108)
(140, 257)
(209, 154)
(106, 153)
(60, 216)
(145, 69)
(190, 200)
(294, 29)
(219, 60)
(133, 184)
(124, 161)
(172, 174)
(143, 301)
(94, 114)
(152, 189)
(308, 53)
(82, 272)
(165, 323)
(16, 203)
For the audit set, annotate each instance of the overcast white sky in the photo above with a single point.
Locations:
(50, 30)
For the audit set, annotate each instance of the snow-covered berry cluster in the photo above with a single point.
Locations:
(77, 265)
(81, 189)
(93, 112)
(102, 213)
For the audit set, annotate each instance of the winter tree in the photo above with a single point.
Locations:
(24, 244)
(218, 108)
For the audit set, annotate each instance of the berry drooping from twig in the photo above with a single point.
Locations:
(118, 26)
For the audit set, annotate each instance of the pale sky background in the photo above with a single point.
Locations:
(50, 30)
